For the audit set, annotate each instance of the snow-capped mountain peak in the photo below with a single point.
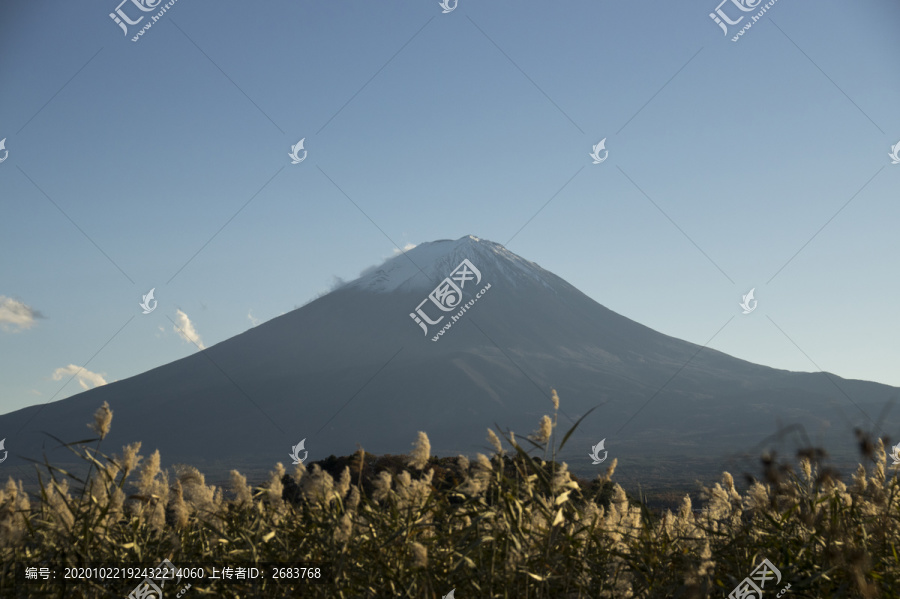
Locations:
(427, 264)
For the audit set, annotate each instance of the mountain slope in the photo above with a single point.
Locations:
(355, 366)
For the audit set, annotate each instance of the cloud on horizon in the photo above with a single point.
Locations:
(14, 313)
(185, 329)
(86, 378)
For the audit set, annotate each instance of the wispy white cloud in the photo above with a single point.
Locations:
(338, 282)
(253, 320)
(15, 316)
(86, 378)
(185, 329)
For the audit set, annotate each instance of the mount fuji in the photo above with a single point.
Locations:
(450, 337)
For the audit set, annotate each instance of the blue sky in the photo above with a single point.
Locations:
(163, 163)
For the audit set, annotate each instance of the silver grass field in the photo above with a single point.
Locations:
(514, 524)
